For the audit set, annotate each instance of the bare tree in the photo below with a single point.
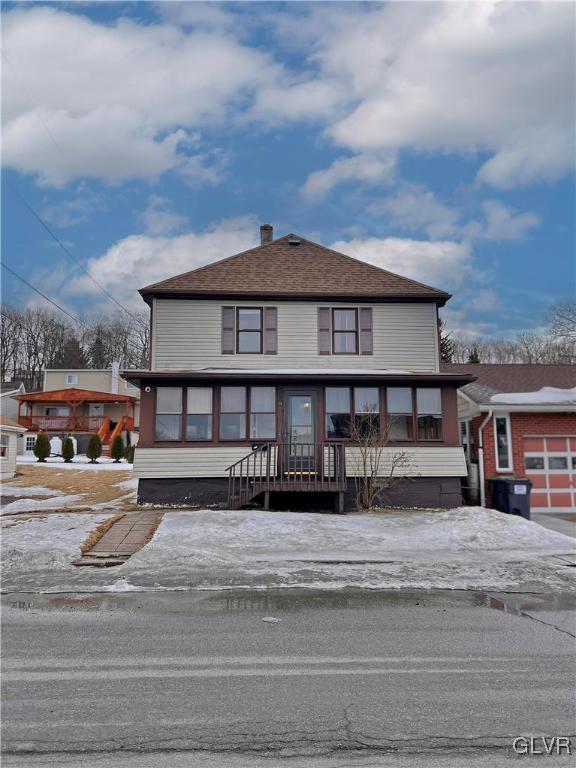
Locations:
(376, 467)
(562, 321)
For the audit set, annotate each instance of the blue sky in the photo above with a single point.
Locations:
(436, 140)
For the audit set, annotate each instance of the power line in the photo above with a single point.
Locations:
(71, 255)
(51, 301)
(128, 342)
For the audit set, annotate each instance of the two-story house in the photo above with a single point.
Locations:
(263, 363)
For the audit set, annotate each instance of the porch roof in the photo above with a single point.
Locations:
(74, 395)
(308, 375)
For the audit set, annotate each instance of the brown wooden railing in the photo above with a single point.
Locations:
(306, 467)
(62, 423)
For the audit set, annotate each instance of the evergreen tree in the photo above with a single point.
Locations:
(94, 449)
(97, 352)
(42, 447)
(473, 355)
(117, 451)
(446, 343)
(68, 449)
(72, 355)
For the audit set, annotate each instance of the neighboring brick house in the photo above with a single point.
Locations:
(261, 364)
(533, 410)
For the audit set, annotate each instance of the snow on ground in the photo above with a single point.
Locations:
(78, 462)
(38, 505)
(26, 490)
(465, 548)
(37, 550)
(129, 485)
(544, 396)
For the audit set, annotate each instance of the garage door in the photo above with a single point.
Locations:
(550, 463)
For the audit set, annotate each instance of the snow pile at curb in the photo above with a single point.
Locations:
(36, 545)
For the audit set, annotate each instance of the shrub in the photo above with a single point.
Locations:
(42, 446)
(68, 449)
(129, 454)
(117, 450)
(94, 449)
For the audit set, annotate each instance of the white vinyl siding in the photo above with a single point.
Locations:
(187, 336)
(212, 461)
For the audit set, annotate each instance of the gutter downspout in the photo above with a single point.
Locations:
(481, 457)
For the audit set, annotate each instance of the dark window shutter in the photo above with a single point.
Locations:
(324, 330)
(228, 330)
(366, 343)
(270, 331)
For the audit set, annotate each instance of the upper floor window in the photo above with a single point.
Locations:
(71, 379)
(345, 331)
(249, 330)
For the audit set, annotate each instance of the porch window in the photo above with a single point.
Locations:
(233, 413)
(249, 325)
(262, 412)
(168, 413)
(337, 412)
(345, 331)
(429, 416)
(367, 411)
(199, 413)
(400, 421)
(503, 444)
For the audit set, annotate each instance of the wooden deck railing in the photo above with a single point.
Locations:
(62, 423)
(305, 467)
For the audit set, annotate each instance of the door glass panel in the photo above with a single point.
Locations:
(300, 422)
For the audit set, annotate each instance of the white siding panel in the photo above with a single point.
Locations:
(187, 336)
(212, 461)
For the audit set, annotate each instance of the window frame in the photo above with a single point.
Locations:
(221, 412)
(73, 376)
(356, 330)
(510, 468)
(186, 413)
(249, 413)
(181, 414)
(414, 436)
(326, 412)
(417, 437)
(259, 330)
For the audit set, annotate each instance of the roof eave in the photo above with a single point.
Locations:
(439, 298)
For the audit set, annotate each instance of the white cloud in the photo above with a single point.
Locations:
(68, 213)
(462, 77)
(415, 208)
(443, 264)
(368, 168)
(140, 260)
(501, 223)
(482, 300)
(158, 219)
(115, 101)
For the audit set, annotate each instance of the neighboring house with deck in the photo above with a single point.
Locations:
(519, 420)
(261, 362)
(78, 403)
(9, 406)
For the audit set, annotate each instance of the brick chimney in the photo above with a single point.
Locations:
(265, 234)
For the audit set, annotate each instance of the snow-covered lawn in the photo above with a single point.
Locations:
(465, 548)
(78, 462)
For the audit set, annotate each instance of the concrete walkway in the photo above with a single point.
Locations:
(122, 540)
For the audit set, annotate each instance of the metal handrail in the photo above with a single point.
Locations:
(307, 467)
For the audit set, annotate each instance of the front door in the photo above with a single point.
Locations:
(299, 431)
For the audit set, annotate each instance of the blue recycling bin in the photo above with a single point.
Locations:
(511, 495)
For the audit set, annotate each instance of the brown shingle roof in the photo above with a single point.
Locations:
(494, 378)
(279, 269)
(74, 395)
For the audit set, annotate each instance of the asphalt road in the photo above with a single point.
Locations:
(359, 679)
